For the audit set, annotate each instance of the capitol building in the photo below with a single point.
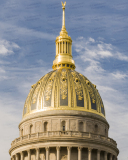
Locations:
(63, 116)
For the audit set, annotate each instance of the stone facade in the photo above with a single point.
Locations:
(63, 136)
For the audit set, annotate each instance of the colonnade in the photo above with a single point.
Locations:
(20, 156)
(63, 47)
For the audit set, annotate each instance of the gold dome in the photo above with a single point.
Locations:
(63, 88)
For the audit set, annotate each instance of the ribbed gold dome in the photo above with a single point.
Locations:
(63, 89)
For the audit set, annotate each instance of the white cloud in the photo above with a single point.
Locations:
(91, 39)
(119, 75)
(121, 56)
(110, 83)
(97, 49)
(6, 47)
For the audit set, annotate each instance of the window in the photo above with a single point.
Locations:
(96, 128)
(63, 128)
(60, 47)
(31, 129)
(105, 132)
(45, 126)
(66, 47)
(63, 125)
(63, 46)
(77, 80)
(21, 132)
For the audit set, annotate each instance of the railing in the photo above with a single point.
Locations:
(58, 134)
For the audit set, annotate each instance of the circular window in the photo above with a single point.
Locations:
(63, 79)
(77, 80)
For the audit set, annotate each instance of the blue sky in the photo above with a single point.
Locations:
(99, 30)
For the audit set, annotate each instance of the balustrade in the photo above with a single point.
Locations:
(64, 134)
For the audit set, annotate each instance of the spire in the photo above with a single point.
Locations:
(63, 19)
(63, 58)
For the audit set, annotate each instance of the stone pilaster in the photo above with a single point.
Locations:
(105, 155)
(37, 153)
(98, 154)
(79, 153)
(58, 152)
(89, 153)
(69, 153)
(47, 153)
(29, 154)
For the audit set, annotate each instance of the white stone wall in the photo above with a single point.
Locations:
(72, 123)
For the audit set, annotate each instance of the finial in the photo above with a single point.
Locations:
(63, 20)
(63, 4)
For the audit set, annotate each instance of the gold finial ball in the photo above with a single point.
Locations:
(63, 4)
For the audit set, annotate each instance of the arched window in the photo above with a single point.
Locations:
(96, 128)
(45, 126)
(81, 127)
(105, 132)
(63, 125)
(31, 129)
(21, 132)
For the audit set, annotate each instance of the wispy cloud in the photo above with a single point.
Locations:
(7, 47)
(11, 29)
(119, 75)
(110, 83)
(96, 49)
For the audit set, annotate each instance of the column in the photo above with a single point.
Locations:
(56, 48)
(13, 157)
(98, 154)
(114, 157)
(89, 153)
(110, 156)
(59, 47)
(29, 155)
(17, 157)
(105, 155)
(64, 46)
(62, 50)
(37, 153)
(69, 152)
(47, 153)
(58, 152)
(22, 156)
(67, 47)
(79, 153)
